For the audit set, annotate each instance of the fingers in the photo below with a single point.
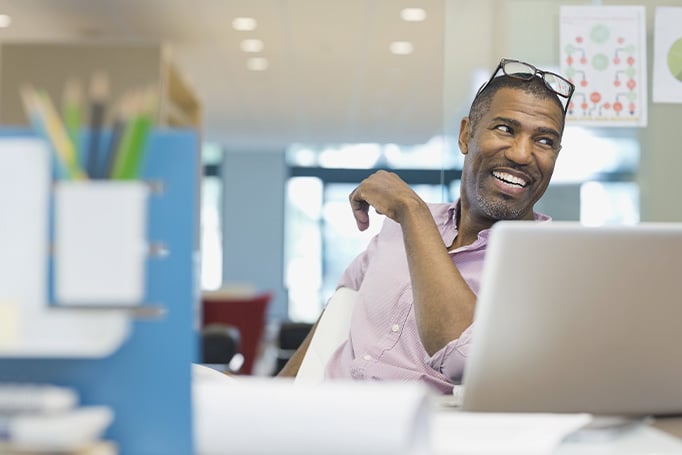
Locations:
(360, 209)
(382, 190)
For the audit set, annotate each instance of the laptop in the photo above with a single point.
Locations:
(572, 318)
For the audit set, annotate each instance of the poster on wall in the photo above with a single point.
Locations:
(667, 80)
(603, 52)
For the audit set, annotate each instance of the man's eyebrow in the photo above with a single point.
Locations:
(545, 130)
(517, 124)
(511, 121)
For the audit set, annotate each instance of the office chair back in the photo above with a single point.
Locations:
(332, 329)
(245, 313)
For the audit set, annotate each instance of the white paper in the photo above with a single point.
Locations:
(24, 191)
(262, 416)
(603, 52)
(100, 235)
(667, 83)
(501, 434)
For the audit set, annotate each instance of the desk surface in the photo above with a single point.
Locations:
(453, 431)
(669, 425)
(645, 439)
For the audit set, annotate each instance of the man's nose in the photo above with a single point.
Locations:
(520, 152)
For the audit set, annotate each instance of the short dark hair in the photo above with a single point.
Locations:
(534, 86)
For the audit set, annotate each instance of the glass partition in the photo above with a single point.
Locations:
(594, 181)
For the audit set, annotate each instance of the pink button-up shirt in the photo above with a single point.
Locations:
(384, 343)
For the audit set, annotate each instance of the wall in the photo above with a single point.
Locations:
(253, 214)
(49, 65)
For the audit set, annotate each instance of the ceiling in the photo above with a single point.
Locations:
(331, 78)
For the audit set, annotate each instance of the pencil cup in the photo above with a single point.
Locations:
(100, 242)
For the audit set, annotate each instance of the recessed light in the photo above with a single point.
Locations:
(5, 20)
(244, 24)
(257, 64)
(413, 14)
(401, 47)
(251, 45)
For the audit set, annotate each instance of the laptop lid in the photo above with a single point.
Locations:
(578, 319)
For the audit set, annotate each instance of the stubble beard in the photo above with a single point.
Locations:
(498, 209)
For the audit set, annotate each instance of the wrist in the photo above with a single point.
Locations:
(413, 210)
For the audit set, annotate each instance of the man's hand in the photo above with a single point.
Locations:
(387, 193)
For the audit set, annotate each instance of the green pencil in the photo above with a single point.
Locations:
(131, 148)
(72, 111)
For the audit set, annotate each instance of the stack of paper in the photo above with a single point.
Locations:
(260, 416)
(44, 418)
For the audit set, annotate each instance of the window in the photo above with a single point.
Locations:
(211, 218)
(321, 237)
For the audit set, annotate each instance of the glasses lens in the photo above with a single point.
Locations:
(518, 69)
(558, 84)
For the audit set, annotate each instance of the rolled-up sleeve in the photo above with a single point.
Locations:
(450, 360)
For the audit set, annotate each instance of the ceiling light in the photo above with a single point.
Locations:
(5, 20)
(257, 64)
(251, 45)
(244, 24)
(413, 14)
(401, 47)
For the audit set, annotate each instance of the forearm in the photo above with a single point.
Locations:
(443, 302)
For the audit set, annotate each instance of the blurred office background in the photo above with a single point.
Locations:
(301, 99)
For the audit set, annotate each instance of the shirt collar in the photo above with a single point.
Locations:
(453, 214)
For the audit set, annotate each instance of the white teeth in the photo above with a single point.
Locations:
(510, 178)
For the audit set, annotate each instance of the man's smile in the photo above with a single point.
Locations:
(510, 179)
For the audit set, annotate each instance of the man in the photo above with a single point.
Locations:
(418, 278)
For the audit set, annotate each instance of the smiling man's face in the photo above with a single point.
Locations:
(510, 155)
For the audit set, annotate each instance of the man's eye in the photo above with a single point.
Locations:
(504, 128)
(547, 141)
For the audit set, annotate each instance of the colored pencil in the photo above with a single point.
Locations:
(123, 111)
(72, 112)
(28, 96)
(130, 152)
(98, 97)
(56, 133)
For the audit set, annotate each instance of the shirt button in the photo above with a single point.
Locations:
(395, 328)
(367, 357)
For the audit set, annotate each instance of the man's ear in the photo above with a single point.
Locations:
(464, 135)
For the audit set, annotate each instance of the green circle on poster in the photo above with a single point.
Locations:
(600, 33)
(600, 62)
(675, 59)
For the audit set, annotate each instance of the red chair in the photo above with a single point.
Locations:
(245, 313)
